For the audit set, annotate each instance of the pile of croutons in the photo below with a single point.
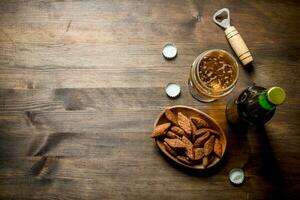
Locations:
(189, 139)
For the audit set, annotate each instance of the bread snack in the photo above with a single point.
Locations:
(175, 143)
(200, 123)
(209, 145)
(171, 117)
(188, 148)
(184, 160)
(178, 131)
(218, 148)
(169, 149)
(199, 153)
(160, 130)
(201, 140)
(194, 127)
(207, 160)
(184, 123)
(204, 130)
(172, 135)
(189, 139)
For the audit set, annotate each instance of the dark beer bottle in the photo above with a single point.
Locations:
(255, 105)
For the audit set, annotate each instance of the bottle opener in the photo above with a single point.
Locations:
(233, 36)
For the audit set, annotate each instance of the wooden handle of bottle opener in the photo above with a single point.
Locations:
(239, 46)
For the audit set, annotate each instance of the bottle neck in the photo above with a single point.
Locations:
(264, 102)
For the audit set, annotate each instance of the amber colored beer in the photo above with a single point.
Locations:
(213, 75)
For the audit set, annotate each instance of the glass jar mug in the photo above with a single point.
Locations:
(213, 75)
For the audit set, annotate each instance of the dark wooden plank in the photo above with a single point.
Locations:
(67, 99)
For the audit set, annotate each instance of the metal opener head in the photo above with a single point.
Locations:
(221, 19)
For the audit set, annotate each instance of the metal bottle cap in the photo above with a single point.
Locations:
(276, 95)
(236, 176)
(169, 51)
(173, 90)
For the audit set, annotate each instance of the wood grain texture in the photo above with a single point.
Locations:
(81, 83)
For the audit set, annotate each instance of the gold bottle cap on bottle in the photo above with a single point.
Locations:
(276, 95)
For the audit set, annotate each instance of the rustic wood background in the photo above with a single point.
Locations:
(81, 83)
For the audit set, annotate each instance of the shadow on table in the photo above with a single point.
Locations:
(269, 169)
(262, 158)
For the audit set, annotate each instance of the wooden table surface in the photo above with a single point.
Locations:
(81, 83)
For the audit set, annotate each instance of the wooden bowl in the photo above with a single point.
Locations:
(189, 112)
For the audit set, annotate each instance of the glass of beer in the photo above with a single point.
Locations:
(213, 75)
